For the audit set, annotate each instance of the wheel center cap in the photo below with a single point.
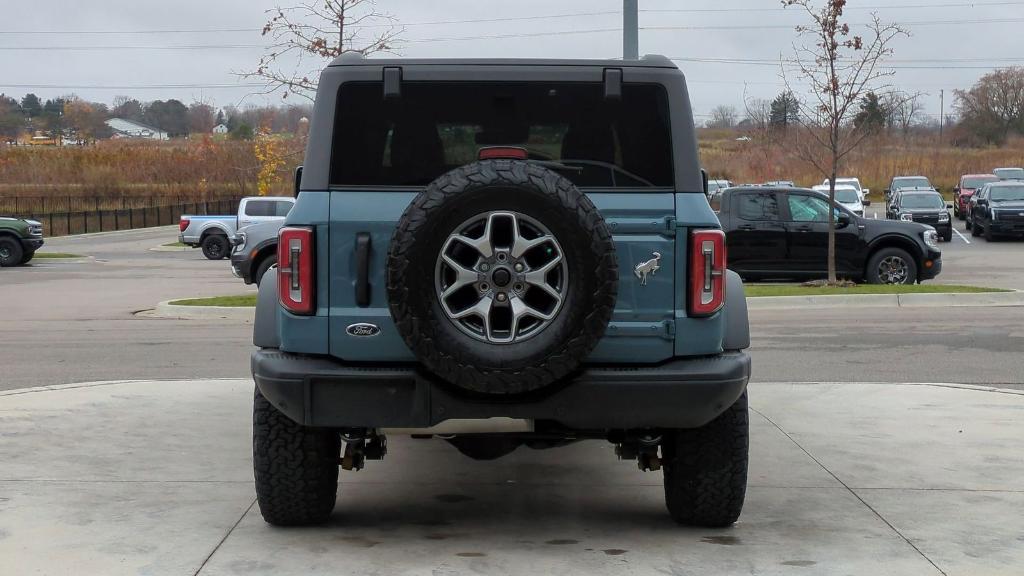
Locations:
(501, 277)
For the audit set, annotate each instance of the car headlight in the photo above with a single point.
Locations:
(239, 240)
(944, 217)
(931, 238)
(993, 213)
(906, 217)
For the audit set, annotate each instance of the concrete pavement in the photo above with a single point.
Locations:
(155, 478)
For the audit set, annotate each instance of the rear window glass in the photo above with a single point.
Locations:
(437, 126)
(758, 207)
(267, 208)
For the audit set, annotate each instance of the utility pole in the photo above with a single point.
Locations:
(630, 30)
(942, 111)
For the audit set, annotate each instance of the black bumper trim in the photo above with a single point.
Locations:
(31, 244)
(319, 391)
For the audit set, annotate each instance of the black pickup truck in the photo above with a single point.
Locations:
(782, 233)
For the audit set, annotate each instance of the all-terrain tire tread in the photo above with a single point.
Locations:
(705, 469)
(295, 467)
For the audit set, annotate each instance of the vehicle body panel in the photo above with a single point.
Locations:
(29, 233)
(251, 246)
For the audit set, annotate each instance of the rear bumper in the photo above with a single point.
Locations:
(31, 244)
(318, 391)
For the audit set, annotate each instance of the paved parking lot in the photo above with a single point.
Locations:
(155, 478)
(153, 475)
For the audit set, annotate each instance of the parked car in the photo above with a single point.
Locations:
(19, 240)
(472, 287)
(716, 185)
(908, 182)
(968, 185)
(855, 182)
(255, 251)
(782, 233)
(998, 209)
(1009, 173)
(847, 196)
(213, 233)
(924, 206)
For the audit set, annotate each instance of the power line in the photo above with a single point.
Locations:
(525, 18)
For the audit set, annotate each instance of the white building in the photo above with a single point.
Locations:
(127, 129)
(220, 129)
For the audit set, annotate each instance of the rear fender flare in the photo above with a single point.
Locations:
(264, 330)
(737, 324)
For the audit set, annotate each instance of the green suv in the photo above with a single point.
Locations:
(19, 240)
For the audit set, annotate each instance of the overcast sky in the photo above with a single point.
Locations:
(952, 43)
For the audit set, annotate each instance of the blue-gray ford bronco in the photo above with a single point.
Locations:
(501, 253)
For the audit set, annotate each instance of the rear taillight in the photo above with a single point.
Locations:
(707, 272)
(495, 152)
(183, 224)
(295, 269)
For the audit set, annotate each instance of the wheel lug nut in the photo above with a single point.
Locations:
(484, 267)
(484, 287)
(518, 287)
(519, 267)
(502, 297)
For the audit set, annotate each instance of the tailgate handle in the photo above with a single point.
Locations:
(362, 269)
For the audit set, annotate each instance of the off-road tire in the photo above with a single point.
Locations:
(586, 242)
(268, 263)
(967, 223)
(878, 256)
(11, 251)
(295, 467)
(705, 469)
(948, 236)
(27, 256)
(216, 247)
(975, 230)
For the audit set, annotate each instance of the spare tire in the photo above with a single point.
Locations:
(501, 277)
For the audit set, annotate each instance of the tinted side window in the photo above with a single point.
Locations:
(437, 126)
(283, 208)
(758, 207)
(259, 208)
(807, 208)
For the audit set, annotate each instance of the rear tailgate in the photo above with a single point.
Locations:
(643, 226)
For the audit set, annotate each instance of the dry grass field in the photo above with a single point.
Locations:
(875, 162)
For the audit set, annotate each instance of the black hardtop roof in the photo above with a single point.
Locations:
(647, 61)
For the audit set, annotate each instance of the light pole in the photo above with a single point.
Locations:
(630, 30)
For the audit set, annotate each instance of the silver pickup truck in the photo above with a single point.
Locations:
(213, 233)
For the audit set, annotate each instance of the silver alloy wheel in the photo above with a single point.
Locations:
(501, 277)
(892, 270)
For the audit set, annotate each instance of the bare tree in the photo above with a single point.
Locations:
(306, 35)
(722, 117)
(994, 106)
(904, 110)
(840, 68)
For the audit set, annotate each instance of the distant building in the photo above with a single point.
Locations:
(220, 129)
(127, 129)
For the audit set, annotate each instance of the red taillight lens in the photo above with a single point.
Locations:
(707, 272)
(183, 224)
(492, 152)
(295, 270)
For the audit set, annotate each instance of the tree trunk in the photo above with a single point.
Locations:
(832, 225)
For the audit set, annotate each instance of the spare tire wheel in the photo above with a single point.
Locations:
(502, 277)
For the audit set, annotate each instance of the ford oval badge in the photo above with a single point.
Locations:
(362, 329)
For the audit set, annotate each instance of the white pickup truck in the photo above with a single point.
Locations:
(213, 233)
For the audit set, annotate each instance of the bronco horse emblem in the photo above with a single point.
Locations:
(649, 267)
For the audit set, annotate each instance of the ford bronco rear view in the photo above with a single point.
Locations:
(501, 253)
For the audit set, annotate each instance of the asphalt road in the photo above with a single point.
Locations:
(67, 322)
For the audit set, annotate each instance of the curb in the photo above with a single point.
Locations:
(170, 248)
(937, 300)
(167, 310)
